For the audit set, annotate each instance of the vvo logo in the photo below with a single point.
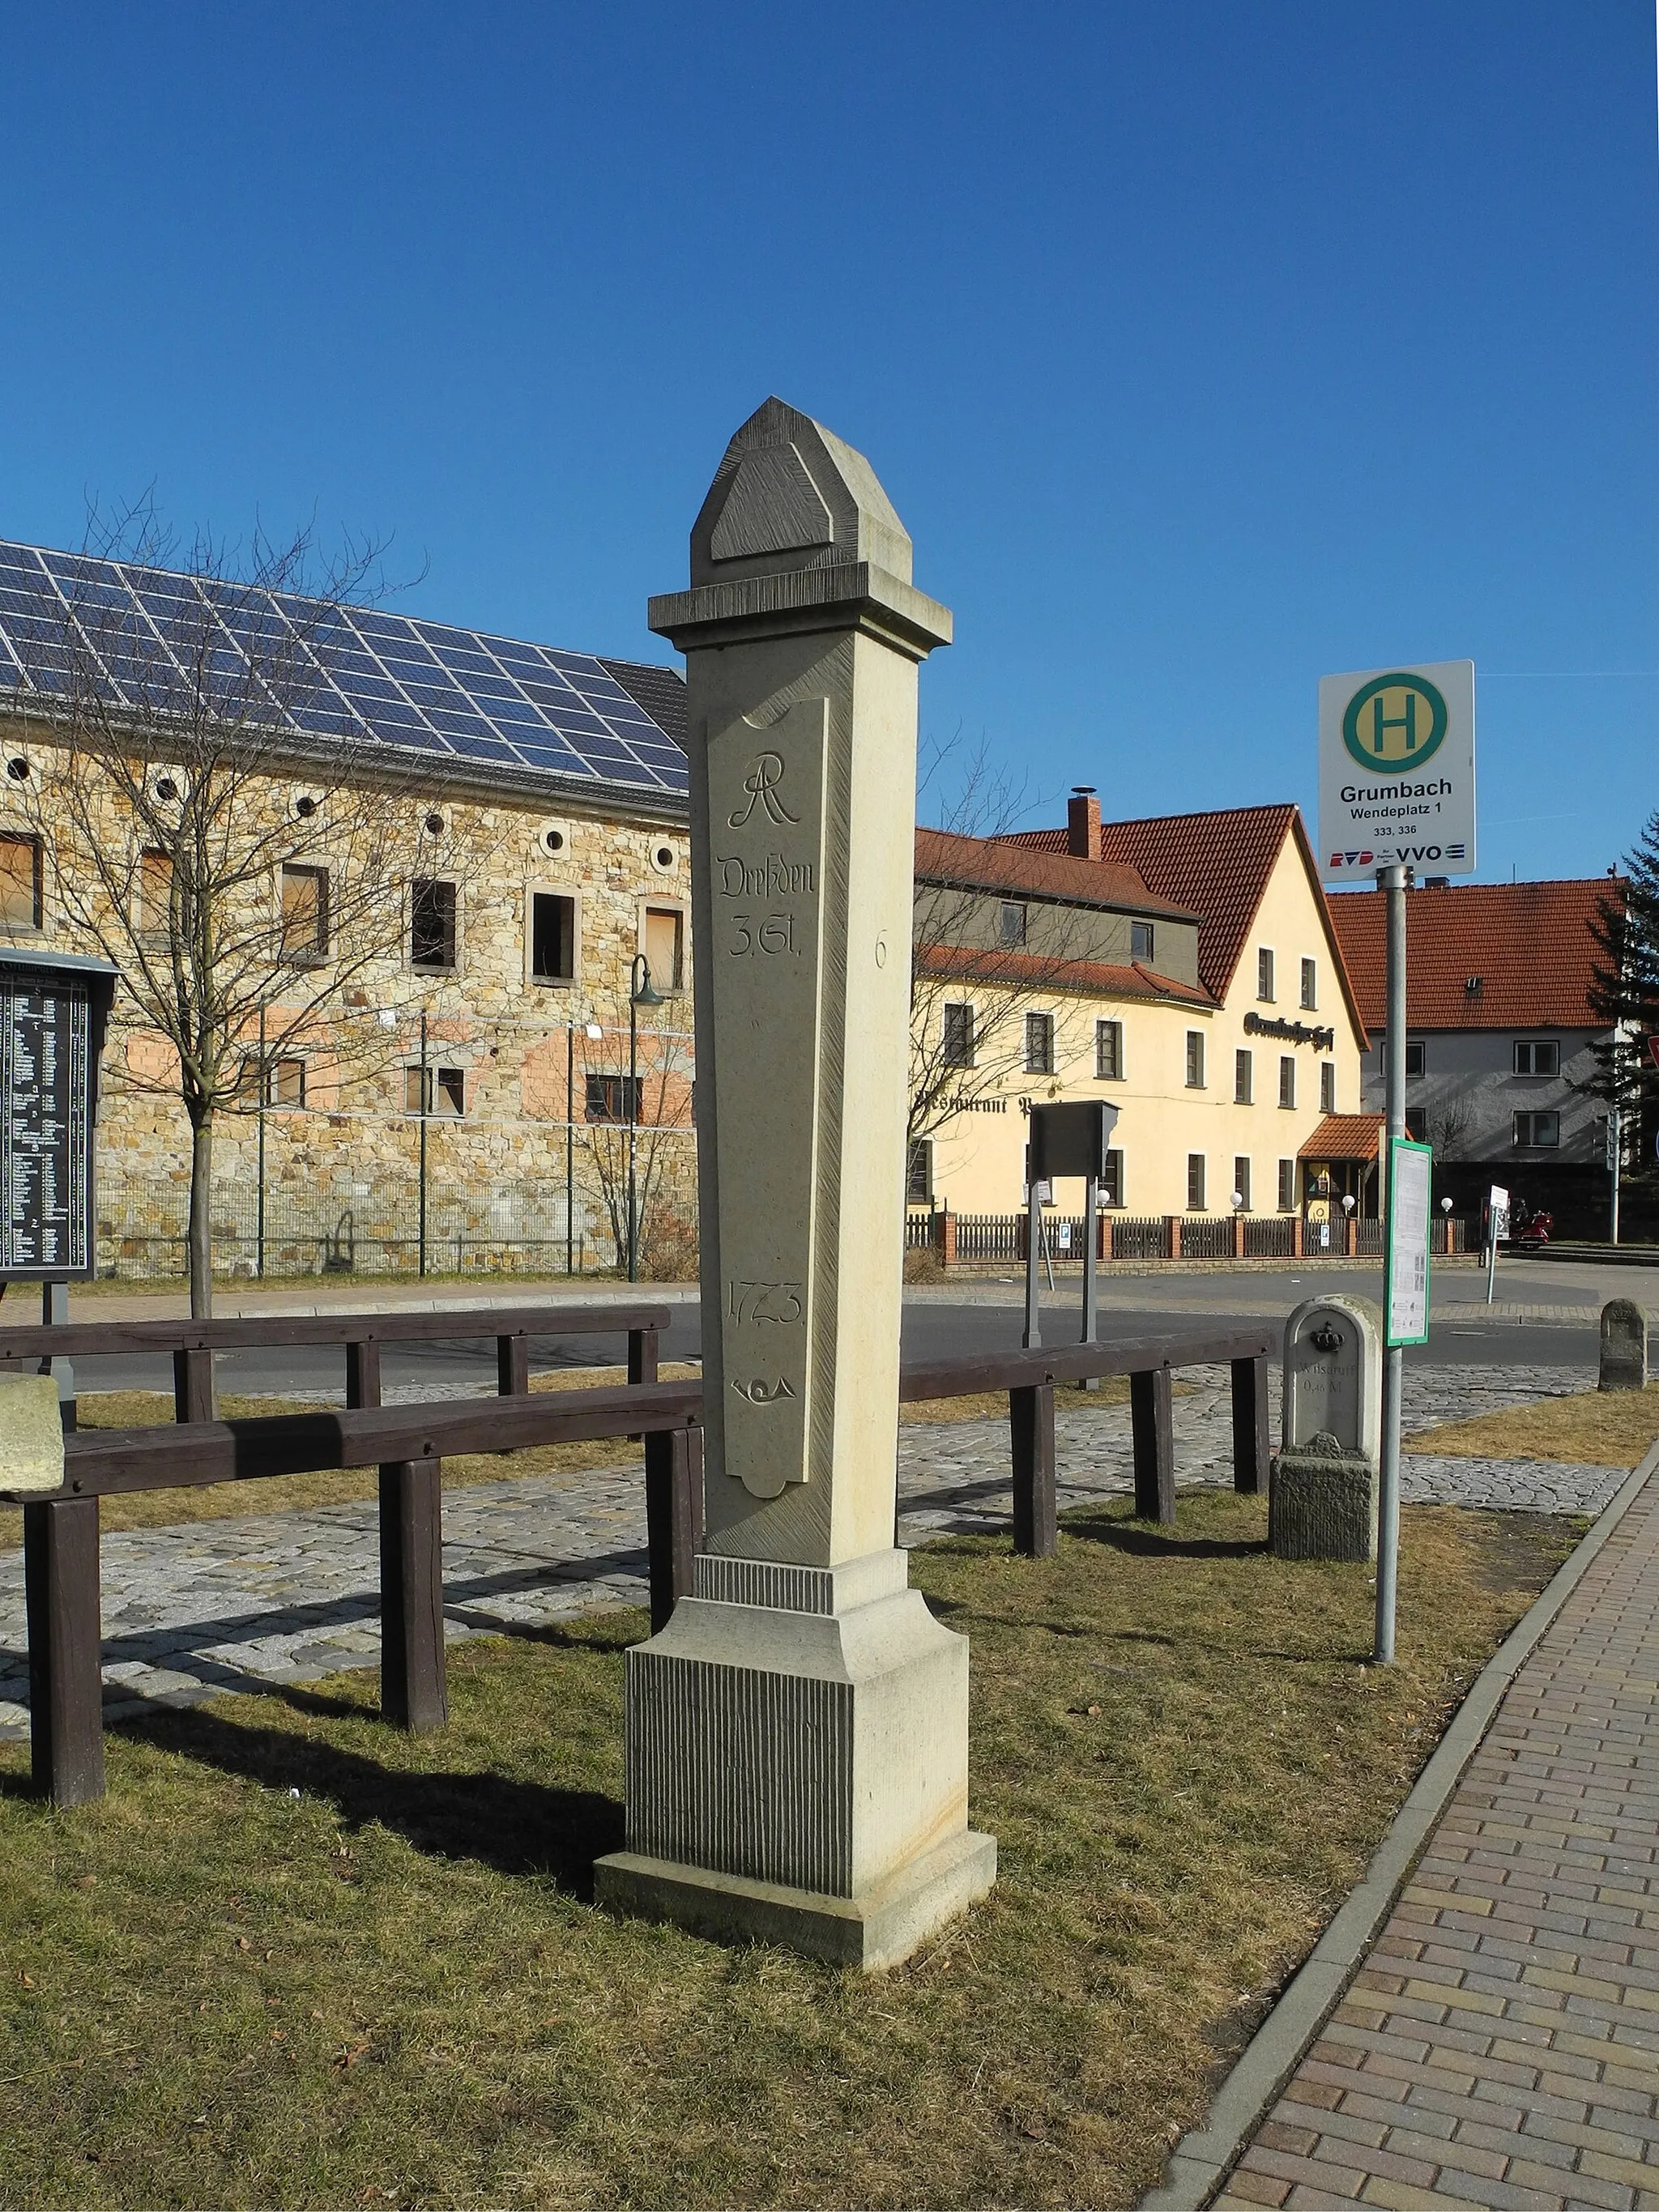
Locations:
(1411, 853)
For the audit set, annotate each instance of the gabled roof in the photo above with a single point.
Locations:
(535, 716)
(1215, 865)
(1014, 865)
(1528, 945)
(1094, 978)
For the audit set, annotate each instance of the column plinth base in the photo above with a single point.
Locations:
(876, 1930)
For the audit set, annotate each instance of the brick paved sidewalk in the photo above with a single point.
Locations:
(1501, 2045)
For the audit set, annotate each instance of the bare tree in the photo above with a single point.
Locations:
(963, 1048)
(656, 1118)
(218, 824)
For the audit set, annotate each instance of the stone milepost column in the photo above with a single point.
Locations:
(798, 1735)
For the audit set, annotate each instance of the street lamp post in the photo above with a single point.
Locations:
(640, 994)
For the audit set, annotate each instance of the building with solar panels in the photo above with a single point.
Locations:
(451, 850)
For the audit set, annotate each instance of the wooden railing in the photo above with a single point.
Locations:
(409, 1444)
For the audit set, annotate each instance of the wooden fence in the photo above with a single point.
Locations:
(408, 1443)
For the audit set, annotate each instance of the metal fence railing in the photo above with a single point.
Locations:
(999, 1238)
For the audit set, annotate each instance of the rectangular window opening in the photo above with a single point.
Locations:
(1111, 1183)
(958, 1044)
(443, 1094)
(1309, 985)
(1417, 1124)
(1287, 1186)
(1264, 973)
(153, 915)
(552, 938)
(1243, 1078)
(1537, 1056)
(1011, 923)
(432, 914)
(20, 873)
(919, 1173)
(285, 1085)
(1140, 941)
(1286, 1080)
(304, 912)
(1416, 1060)
(665, 947)
(1108, 1052)
(1194, 1060)
(1327, 1086)
(1039, 1044)
(1242, 1183)
(1537, 1132)
(1195, 1182)
(612, 1097)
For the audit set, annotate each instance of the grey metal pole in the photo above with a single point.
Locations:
(1090, 1279)
(570, 1148)
(633, 1128)
(1033, 1260)
(265, 1094)
(424, 1103)
(1615, 1145)
(1393, 880)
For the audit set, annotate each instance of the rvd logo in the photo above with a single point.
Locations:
(761, 784)
(1394, 722)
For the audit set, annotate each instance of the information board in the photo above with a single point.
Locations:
(1396, 771)
(50, 1029)
(1405, 1297)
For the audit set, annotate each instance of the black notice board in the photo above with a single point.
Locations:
(51, 1028)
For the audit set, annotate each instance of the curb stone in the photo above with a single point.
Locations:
(1200, 2162)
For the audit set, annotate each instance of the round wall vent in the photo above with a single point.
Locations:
(664, 859)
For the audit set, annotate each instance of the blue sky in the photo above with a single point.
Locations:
(1204, 349)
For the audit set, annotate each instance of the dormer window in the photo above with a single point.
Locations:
(1140, 941)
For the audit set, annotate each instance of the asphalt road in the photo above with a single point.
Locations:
(989, 1316)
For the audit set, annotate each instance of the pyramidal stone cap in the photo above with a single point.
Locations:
(797, 534)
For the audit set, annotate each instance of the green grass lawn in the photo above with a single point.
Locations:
(393, 1987)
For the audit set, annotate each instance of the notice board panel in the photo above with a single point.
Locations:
(52, 1025)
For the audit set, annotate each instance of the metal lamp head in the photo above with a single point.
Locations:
(643, 995)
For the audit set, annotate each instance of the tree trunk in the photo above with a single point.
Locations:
(200, 1216)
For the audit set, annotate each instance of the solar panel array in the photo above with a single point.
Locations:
(320, 670)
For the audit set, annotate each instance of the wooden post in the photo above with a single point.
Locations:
(412, 1692)
(192, 1384)
(641, 1355)
(363, 1373)
(1031, 1435)
(513, 1366)
(66, 1715)
(1250, 1445)
(673, 1515)
(1149, 1415)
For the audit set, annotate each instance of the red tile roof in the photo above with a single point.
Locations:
(1215, 865)
(1529, 944)
(1345, 1137)
(1007, 863)
(1089, 978)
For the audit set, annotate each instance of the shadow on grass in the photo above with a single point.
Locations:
(1147, 1540)
(513, 1827)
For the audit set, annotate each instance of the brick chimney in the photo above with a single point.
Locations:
(1083, 823)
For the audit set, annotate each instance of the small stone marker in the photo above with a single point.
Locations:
(31, 1436)
(1624, 1345)
(797, 1735)
(1324, 1497)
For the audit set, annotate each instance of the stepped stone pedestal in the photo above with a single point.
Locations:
(797, 1736)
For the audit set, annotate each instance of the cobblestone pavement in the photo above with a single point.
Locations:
(291, 1596)
(1500, 2045)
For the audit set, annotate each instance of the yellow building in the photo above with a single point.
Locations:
(1184, 969)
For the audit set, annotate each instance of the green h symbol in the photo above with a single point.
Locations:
(1381, 722)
